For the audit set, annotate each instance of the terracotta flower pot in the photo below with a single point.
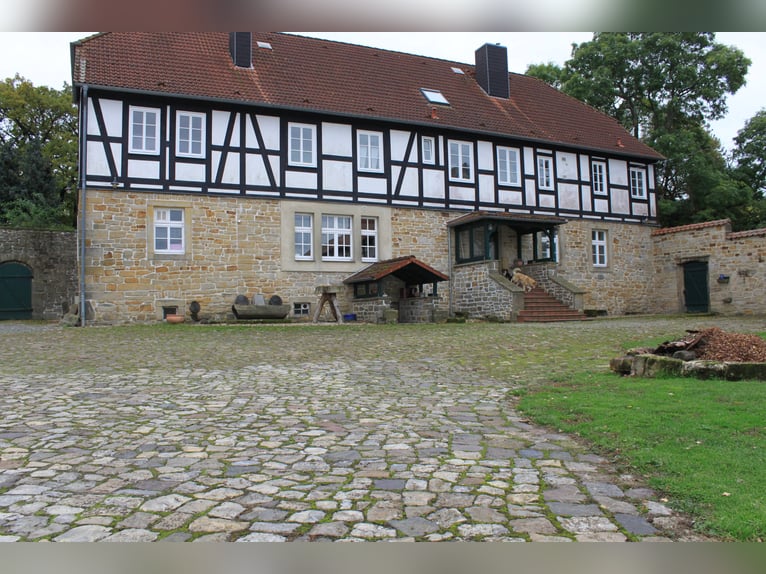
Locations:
(174, 318)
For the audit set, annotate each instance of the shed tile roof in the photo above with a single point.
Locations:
(408, 268)
(692, 227)
(333, 77)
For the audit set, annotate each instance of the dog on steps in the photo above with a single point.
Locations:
(522, 280)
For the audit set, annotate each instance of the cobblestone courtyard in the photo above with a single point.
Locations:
(266, 433)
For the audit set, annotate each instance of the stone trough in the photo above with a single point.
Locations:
(651, 366)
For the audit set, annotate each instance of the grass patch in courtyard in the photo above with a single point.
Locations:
(701, 443)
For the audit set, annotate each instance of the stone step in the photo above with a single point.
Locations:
(541, 307)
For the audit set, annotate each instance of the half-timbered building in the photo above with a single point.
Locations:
(215, 165)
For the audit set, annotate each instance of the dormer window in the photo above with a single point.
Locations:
(434, 96)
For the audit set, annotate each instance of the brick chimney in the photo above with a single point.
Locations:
(492, 70)
(241, 49)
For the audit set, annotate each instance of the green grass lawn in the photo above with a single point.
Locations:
(701, 443)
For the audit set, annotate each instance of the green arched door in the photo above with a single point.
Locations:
(15, 291)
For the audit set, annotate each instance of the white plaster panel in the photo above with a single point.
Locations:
(620, 201)
(301, 179)
(508, 197)
(255, 170)
(433, 184)
(336, 139)
(486, 188)
(547, 201)
(231, 169)
(274, 161)
(190, 171)
(117, 155)
(399, 140)
(601, 205)
(410, 183)
(585, 167)
(92, 123)
(251, 141)
(529, 189)
(97, 163)
(652, 205)
(220, 122)
(441, 152)
(566, 165)
(640, 209)
(112, 112)
(144, 169)
(618, 172)
(269, 126)
(215, 162)
(650, 176)
(462, 193)
(529, 161)
(337, 175)
(585, 195)
(569, 197)
(486, 158)
(372, 185)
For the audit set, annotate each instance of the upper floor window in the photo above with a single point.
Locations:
(336, 237)
(598, 174)
(302, 145)
(460, 161)
(637, 183)
(508, 166)
(545, 172)
(598, 248)
(304, 232)
(168, 230)
(370, 151)
(144, 130)
(190, 134)
(369, 238)
(429, 156)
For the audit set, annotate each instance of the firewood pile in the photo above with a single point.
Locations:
(714, 344)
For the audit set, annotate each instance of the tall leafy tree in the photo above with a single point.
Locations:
(749, 154)
(664, 88)
(38, 154)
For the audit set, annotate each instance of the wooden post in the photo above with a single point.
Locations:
(328, 296)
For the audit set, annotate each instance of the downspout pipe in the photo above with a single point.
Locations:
(83, 184)
(451, 271)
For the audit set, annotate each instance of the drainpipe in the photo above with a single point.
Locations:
(83, 183)
(451, 276)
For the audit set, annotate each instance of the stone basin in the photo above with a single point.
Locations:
(651, 366)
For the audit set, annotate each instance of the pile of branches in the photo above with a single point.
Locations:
(714, 344)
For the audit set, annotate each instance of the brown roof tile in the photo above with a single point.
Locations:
(407, 268)
(338, 78)
(692, 227)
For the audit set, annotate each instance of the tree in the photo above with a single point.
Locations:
(38, 155)
(749, 154)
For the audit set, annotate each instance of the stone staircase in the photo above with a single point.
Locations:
(540, 307)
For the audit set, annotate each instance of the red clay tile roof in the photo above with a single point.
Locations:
(692, 227)
(318, 75)
(521, 218)
(408, 269)
(748, 233)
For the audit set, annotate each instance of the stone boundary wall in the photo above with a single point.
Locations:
(736, 267)
(52, 257)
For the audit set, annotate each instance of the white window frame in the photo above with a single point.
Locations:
(430, 157)
(301, 309)
(599, 251)
(193, 135)
(434, 96)
(337, 235)
(369, 238)
(141, 126)
(302, 149)
(165, 223)
(637, 183)
(369, 147)
(598, 177)
(545, 172)
(462, 151)
(508, 156)
(304, 230)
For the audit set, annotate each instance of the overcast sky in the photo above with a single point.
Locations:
(43, 57)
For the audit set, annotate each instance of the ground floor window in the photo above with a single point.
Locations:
(301, 309)
(476, 242)
(336, 237)
(598, 248)
(168, 230)
(369, 238)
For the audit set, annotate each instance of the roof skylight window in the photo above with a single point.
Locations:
(458, 71)
(265, 45)
(434, 96)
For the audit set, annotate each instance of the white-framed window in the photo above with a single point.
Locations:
(370, 151)
(190, 134)
(301, 309)
(429, 150)
(302, 145)
(169, 230)
(144, 130)
(369, 238)
(546, 250)
(637, 183)
(544, 172)
(508, 166)
(460, 161)
(598, 247)
(434, 96)
(598, 176)
(336, 238)
(304, 233)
